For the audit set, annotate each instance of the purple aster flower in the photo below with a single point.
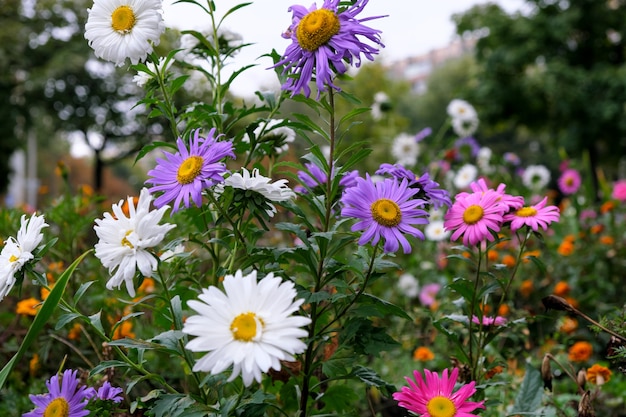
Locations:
(466, 148)
(428, 189)
(386, 209)
(323, 41)
(569, 181)
(108, 392)
(316, 177)
(184, 175)
(423, 134)
(65, 398)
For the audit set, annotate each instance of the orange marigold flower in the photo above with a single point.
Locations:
(126, 209)
(492, 255)
(494, 371)
(28, 307)
(74, 332)
(534, 253)
(598, 374)
(572, 301)
(596, 229)
(606, 207)
(125, 329)
(607, 240)
(526, 287)
(569, 325)
(504, 310)
(508, 260)
(580, 351)
(561, 288)
(566, 248)
(34, 365)
(147, 286)
(423, 354)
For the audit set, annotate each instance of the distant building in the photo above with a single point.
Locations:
(417, 69)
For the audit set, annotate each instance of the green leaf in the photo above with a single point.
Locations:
(530, 392)
(81, 290)
(44, 313)
(64, 319)
(336, 367)
(103, 366)
(339, 398)
(175, 405)
(370, 377)
(464, 287)
(377, 307)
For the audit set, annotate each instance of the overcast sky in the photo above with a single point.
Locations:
(412, 27)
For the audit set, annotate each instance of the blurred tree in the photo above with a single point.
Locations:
(557, 69)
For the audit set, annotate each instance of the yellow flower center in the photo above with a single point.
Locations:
(441, 407)
(473, 214)
(13, 258)
(316, 28)
(123, 19)
(57, 408)
(246, 326)
(189, 169)
(386, 212)
(526, 212)
(126, 242)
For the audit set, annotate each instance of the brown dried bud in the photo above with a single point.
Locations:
(546, 373)
(555, 302)
(585, 409)
(581, 378)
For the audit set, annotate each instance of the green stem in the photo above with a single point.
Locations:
(474, 362)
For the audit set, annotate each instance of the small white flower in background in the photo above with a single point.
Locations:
(435, 232)
(461, 109)
(124, 240)
(17, 252)
(408, 285)
(536, 177)
(117, 29)
(269, 130)
(250, 326)
(381, 105)
(464, 177)
(465, 127)
(405, 149)
(483, 160)
(436, 214)
(142, 77)
(273, 191)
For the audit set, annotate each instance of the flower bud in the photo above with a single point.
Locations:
(581, 378)
(555, 302)
(546, 373)
(585, 409)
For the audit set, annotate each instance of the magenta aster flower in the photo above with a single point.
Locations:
(506, 201)
(386, 209)
(534, 216)
(619, 190)
(569, 181)
(433, 397)
(490, 321)
(65, 398)
(184, 175)
(475, 217)
(324, 40)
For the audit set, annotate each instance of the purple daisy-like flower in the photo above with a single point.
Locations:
(184, 175)
(316, 177)
(534, 216)
(386, 209)
(474, 217)
(66, 397)
(429, 189)
(466, 148)
(569, 181)
(323, 41)
(108, 392)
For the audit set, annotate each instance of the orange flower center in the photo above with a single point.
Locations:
(526, 212)
(58, 407)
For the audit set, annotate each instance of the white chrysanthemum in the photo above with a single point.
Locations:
(536, 177)
(17, 252)
(464, 177)
(120, 29)
(408, 285)
(465, 127)
(273, 191)
(435, 232)
(461, 109)
(405, 149)
(381, 105)
(483, 160)
(125, 240)
(282, 136)
(250, 326)
(142, 77)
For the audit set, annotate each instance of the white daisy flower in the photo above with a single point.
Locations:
(17, 252)
(465, 127)
(435, 232)
(250, 326)
(405, 149)
(464, 177)
(125, 238)
(142, 77)
(282, 136)
(381, 105)
(536, 177)
(273, 191)
(483, 160)
(408, 285)
(461, 109)
(120, 29)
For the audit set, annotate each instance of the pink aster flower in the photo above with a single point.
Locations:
(428, 294)
(569, 181)
(506, 201)
(619, 190)
(324, 40)
(386, 209)
(490, 321)
(534, 216)
(474, 216)
(184, 175)
(433, 396)
(65, 397)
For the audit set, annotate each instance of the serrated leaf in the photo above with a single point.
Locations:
(64, 319)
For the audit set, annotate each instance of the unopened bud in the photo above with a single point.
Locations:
(581, 378)
(554, 302)
(585, 409)
(546, 373)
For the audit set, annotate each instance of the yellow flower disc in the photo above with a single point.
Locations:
(126, 242)
(245, 326)
(57, 408)
(189, 169)
(441, 407)
(123, 19)
(13, 258)
(316, 28)
(526, 212)
(386, 212)
(473, 214)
